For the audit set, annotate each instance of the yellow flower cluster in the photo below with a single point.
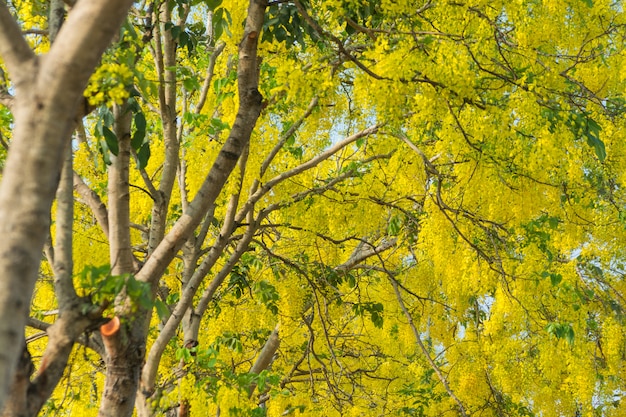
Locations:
(109, 84)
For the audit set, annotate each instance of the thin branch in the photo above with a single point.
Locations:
(363, 251)
(181, 173)
(321, 157)
(36, 336)
(311, 163)
(151, 190)
(292, 130)
(321, 32)
(219, 48)
(92, 199)
(63, 260)
(424, 350)
(14, 49)
(37, 324)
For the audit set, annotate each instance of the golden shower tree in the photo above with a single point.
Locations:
(313, 207)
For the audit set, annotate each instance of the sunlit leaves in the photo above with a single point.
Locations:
(375, 311)
(284, 24)
(107, 143)
(561, 331)
(506, 215)
(97, 283)
(267, 295)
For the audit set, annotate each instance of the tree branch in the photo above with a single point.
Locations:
(257, 193)
(167, 104)
(120, 250)
(265, 358)
(92, 199)
(248, 113)
(185, 303)
(268, 160)
(250, 105)
(49, 91)
(82, 39)
(63, 260)
(423, 348)
(149, 371)
(219, 48)
(14, 49)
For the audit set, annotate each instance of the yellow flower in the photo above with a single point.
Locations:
(109, 84)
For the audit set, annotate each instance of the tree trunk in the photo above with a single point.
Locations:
(17, 404)
(48, 91)
(124, 356)
(166, 62)
(124, 347)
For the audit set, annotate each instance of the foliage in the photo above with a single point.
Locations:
(465, 253)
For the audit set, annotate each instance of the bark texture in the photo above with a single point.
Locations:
(124, 349)
(249, 110)
(48, 91)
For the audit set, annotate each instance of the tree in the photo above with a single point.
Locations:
(388, 209)
(47, 90)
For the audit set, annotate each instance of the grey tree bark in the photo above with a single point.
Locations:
(48, 90)
(122, 351)
(247, 115)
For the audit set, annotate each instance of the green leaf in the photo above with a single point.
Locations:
(594, 127)
(553, 222)
(162, 310)
(219, 125)
(191, 84)
(176, 31)
(104, 150)
(592, 132)
(569, 335)
(394, 226)
(221, 20)
(218, 30)
(138, 291)
(184, 354)
(140, 131)
(213, 4)
(185, 41)
(106, 116)
(111, 140)
(143, 156)
(561, 331)
(140, 121)
(374, 309)
(598, 146)
(131, 103)
(296, 151)
(377, 319)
